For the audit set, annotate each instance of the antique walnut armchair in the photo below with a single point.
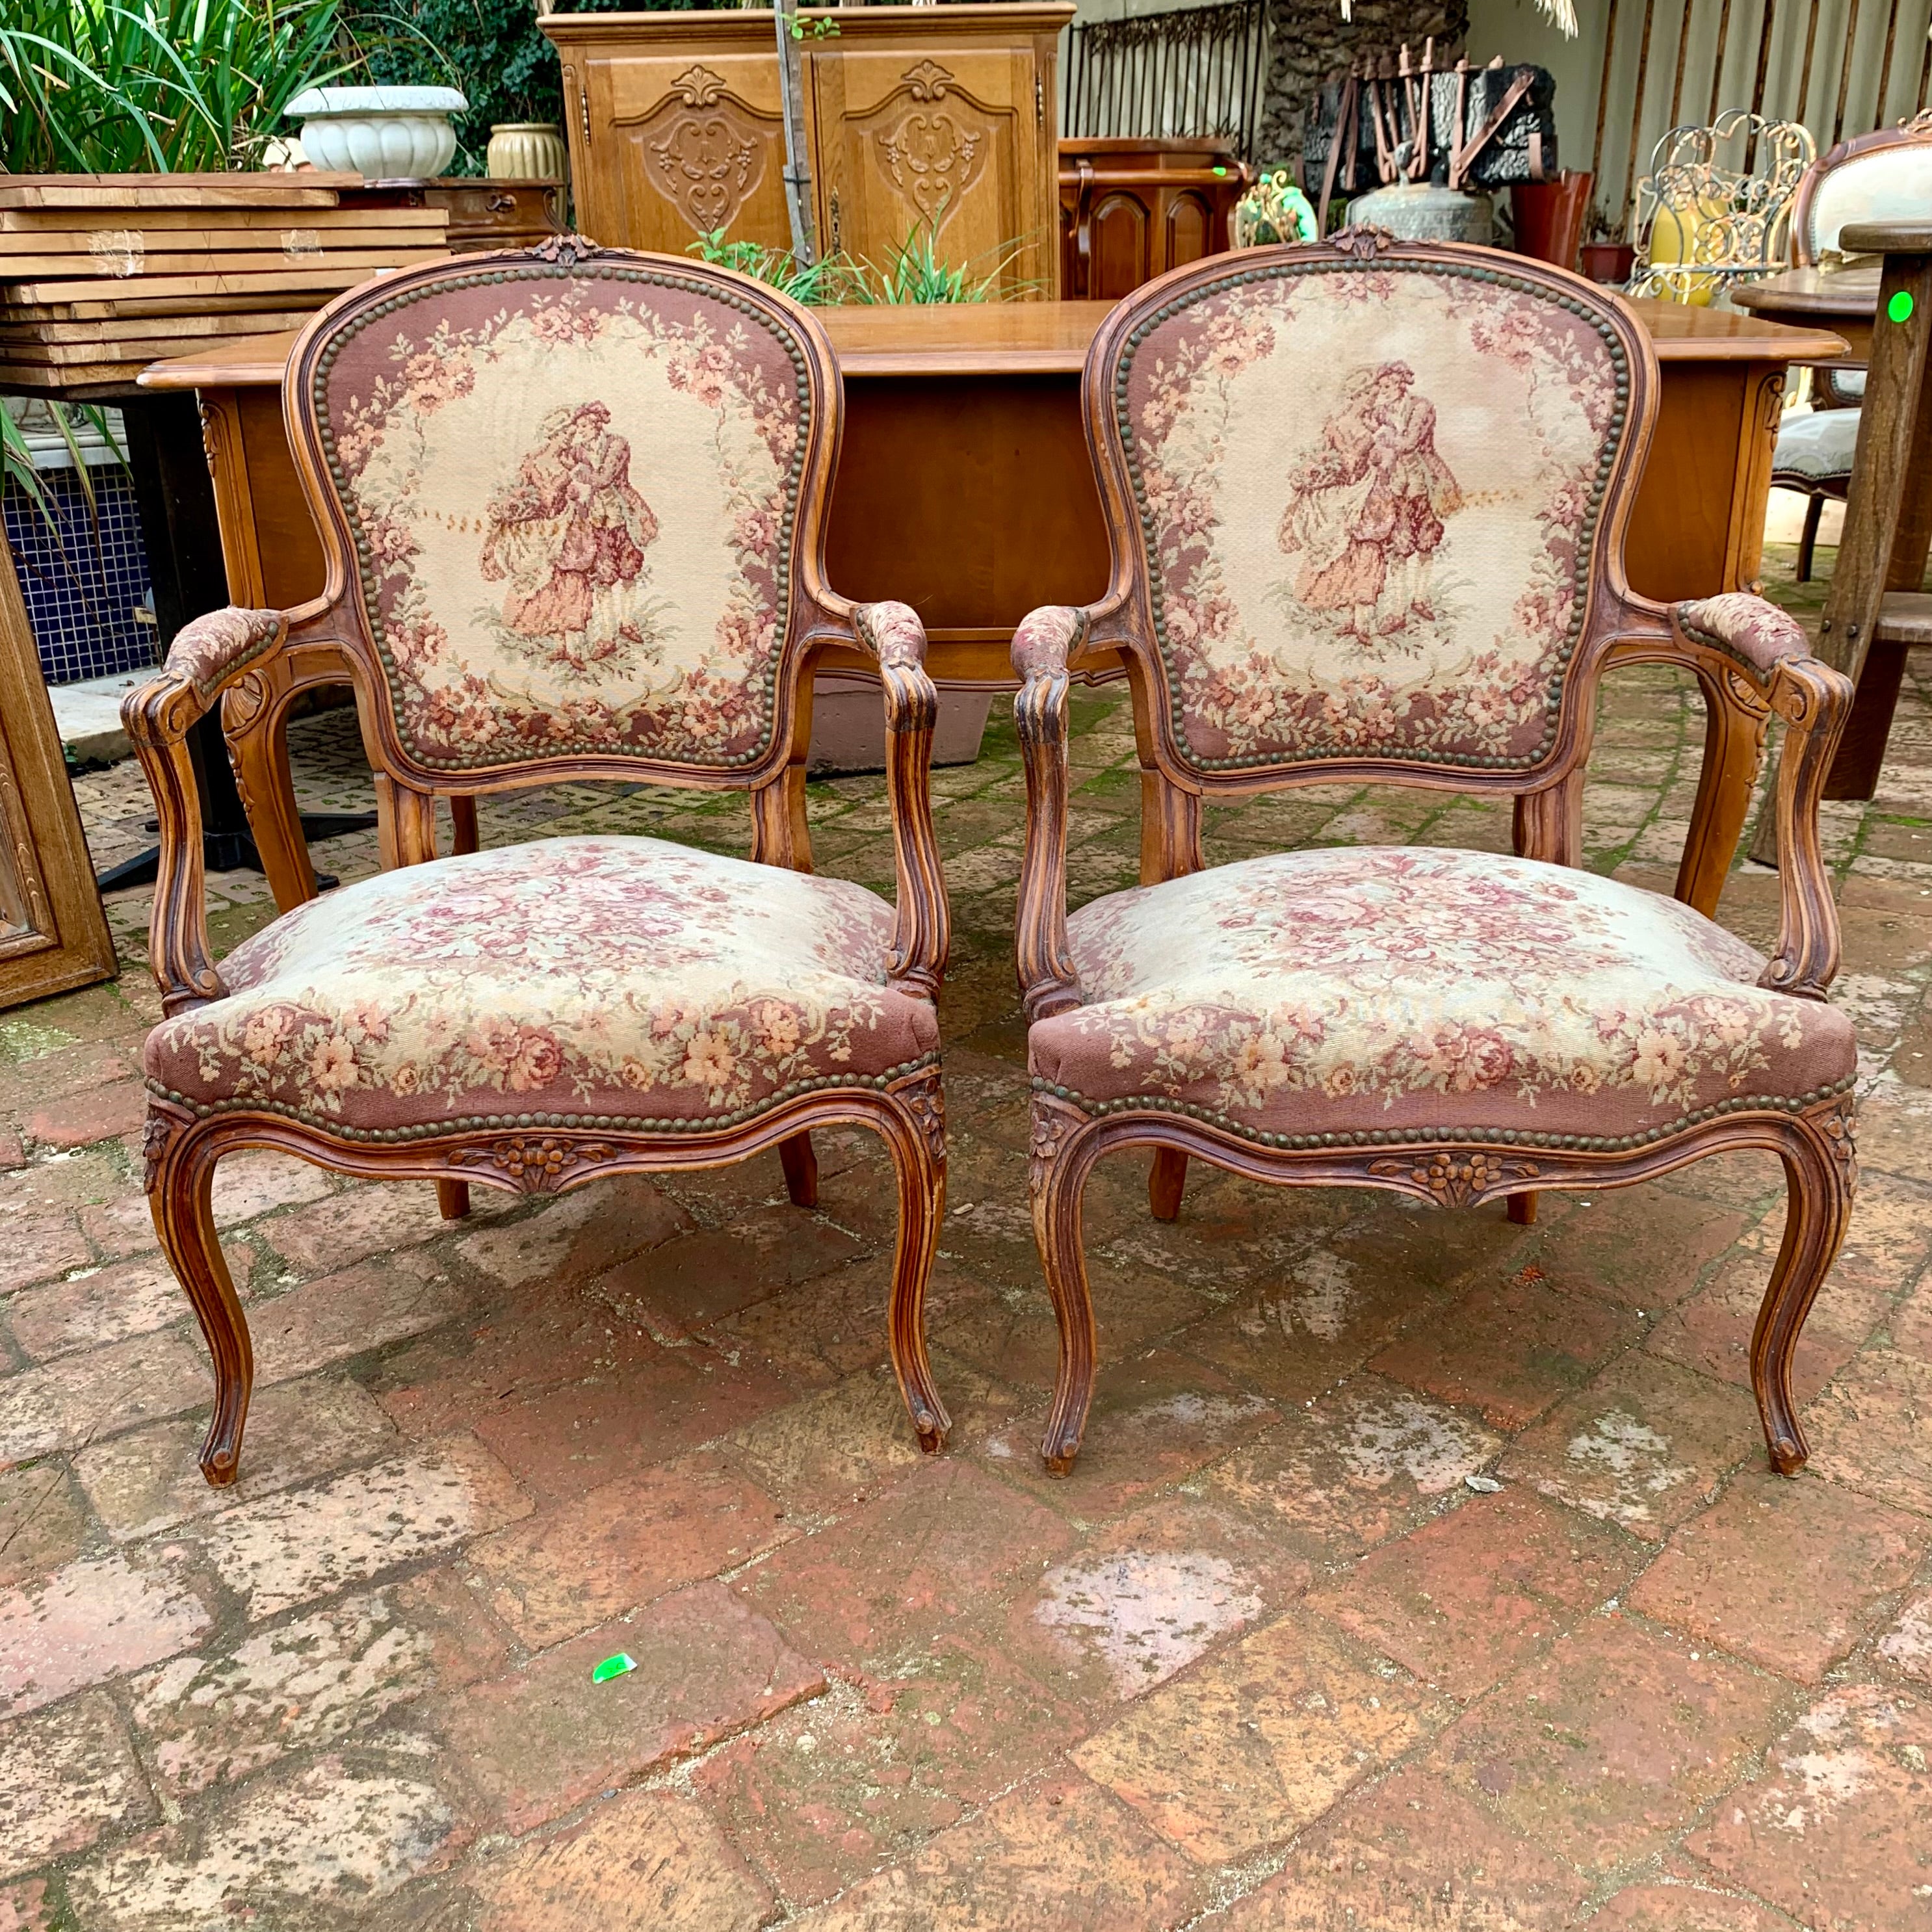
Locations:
(1367, 502)
(572, 503)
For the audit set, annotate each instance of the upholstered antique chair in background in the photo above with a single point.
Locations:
(1368, 501)
(1878, 177)
(572, 503)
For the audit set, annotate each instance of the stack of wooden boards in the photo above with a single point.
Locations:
(101, 274)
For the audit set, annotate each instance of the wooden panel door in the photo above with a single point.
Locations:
(684, 144)
(955, 138)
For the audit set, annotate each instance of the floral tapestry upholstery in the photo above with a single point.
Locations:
(572, 498)
(1392, 989)
(1367, 494)
(623, 980)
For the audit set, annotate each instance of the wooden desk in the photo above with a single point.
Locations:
(965, 488)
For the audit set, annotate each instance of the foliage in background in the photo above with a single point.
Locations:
(491, 50)
(98, 86)
(829, 281)
(914, 274)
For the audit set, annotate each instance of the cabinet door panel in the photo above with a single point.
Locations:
(1188, 219)
(699, 145)
(1122, 234)
(947, 140)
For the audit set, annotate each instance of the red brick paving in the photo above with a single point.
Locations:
(1834, 1828)
(1266, 1660)
(1464, 1599)
(1608, 1746)
(1790, 1575)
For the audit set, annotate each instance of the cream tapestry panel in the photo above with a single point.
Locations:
(1367, 495)
(572, 502)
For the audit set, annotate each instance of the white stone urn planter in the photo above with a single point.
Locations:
(383, 134)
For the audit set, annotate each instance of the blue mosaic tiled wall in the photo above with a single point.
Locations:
(82, 609)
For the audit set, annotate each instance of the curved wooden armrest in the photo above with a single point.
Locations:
(922, 932)
(1756, 634)
(1045, 640)
(1753, 658)
(1814, 701)
(207, 655)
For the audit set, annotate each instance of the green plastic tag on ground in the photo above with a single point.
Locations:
(613, 1667)
(1900, 307)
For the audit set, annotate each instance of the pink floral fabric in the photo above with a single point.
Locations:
(893, 632)
(1046, 638)
(1381, 988)
(571, 498)
(589, 975)
(211, 647)
(1751, 629)
(1367, 494)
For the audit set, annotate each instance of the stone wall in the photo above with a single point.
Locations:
(1309, 41)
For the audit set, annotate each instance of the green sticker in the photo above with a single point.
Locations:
(1900, 307)
(613, 1667)
(1220, 171)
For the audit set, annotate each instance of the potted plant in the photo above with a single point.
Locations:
(1606, 256)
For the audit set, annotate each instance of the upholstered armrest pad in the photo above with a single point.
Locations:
(1758, 634)
(1046, 638)
(891, 632)
(209, 650)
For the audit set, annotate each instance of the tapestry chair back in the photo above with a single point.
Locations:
(1380, 499)
(573, 499)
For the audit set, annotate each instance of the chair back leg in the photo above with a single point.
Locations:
(1808, 541)
(801, 1170)
(1165, 1181)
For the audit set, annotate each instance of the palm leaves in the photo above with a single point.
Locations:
(99, 87)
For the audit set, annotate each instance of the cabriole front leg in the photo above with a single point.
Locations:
(181, 1156)
(912, 1123)
(1821, 1176)
(1065, 1146)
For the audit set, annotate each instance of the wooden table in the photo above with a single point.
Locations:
(965, 488)
(1843, 300)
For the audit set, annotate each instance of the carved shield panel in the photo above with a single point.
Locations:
(931, 140)
(704, 149)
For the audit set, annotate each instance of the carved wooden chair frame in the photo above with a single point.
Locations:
(1749, 660)
(257, 659)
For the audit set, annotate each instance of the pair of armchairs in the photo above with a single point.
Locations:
(1368, 501)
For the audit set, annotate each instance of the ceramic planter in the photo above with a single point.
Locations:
(384, 133)
(526, 150)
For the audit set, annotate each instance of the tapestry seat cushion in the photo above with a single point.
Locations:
(1376, 989)
(621, 980)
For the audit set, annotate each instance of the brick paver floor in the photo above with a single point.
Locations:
(1422, 1570)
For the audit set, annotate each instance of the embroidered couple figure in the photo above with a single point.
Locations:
(1366, 509)
(569, 536)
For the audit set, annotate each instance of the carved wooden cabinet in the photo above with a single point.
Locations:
(1130, 210)
(944, 115)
